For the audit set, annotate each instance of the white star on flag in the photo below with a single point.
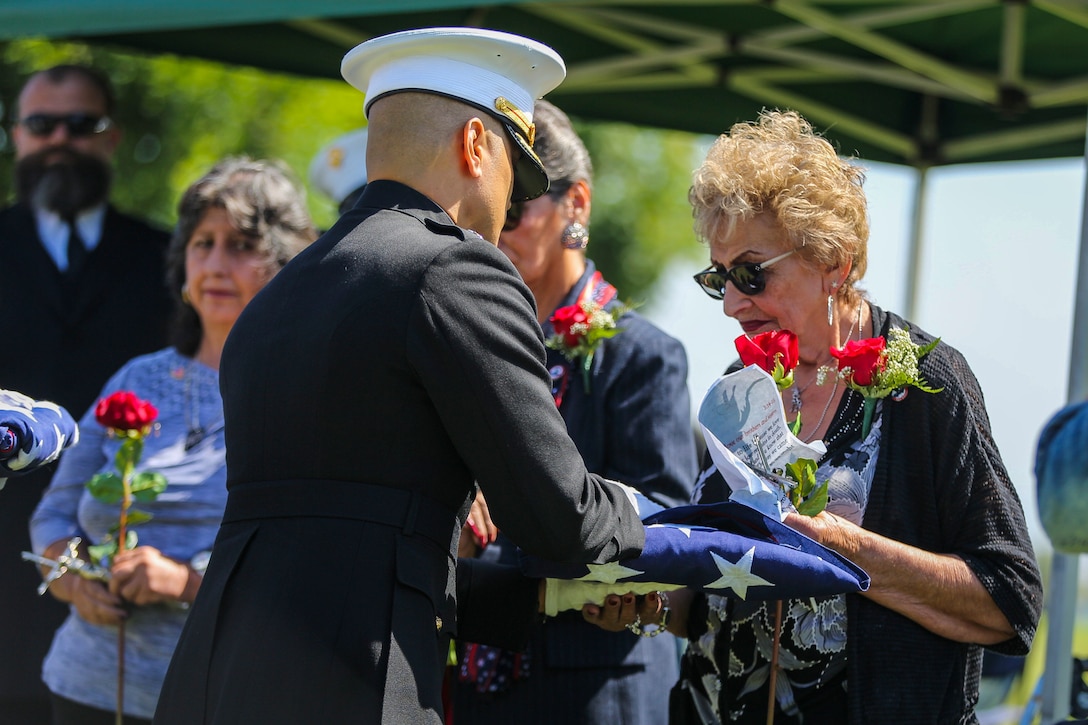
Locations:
(686, 531)
(608, 573)
(739, 576)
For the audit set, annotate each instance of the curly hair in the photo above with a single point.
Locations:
(778, 165)
(262, 201)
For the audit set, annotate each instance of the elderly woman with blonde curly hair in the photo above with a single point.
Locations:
(921, 500)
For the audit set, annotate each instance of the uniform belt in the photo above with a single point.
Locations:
(412, 512)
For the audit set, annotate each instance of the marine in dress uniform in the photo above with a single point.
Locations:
(382, 372)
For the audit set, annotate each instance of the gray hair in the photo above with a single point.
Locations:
(262, 201)
(560, 148)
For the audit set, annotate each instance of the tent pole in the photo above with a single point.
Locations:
(914, 250)
(1062, 604)
(1061, 613)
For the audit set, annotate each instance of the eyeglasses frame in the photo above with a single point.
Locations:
(101, 124)
(756, 269)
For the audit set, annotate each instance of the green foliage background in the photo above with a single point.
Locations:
(181, 115)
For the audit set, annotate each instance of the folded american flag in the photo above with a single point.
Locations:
(32, 433)
(721, 548)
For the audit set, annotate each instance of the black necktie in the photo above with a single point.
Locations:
(77, 251)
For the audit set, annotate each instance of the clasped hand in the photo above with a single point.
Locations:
(139, 576)
(619, 611)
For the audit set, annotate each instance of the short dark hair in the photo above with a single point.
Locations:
(262, 200)
(60, 73)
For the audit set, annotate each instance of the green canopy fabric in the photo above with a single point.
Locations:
(920, 82)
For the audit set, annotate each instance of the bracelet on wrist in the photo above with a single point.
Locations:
(650, 629)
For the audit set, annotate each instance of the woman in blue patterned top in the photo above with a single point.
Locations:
(237, 226)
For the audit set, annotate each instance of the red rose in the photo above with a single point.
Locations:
(564, 319)
(124, 411)
(762, 350)
(864, 357)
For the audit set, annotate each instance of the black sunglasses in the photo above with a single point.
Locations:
(517, 208)
(748, 278)
(78, 124)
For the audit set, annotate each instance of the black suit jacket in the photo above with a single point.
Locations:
(385, 369)
(63, 341)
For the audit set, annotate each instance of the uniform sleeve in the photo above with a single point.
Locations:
(496, 605)
(476, 345)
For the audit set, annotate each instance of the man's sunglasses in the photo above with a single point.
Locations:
(78, 124)
(748, 278)
(517, 209)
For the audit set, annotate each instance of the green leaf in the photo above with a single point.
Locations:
(147, 485)
(593, 334)
(129, 453)
(803, 471)
(135, 517)
(808, 498)
(106, 487)
(815, 503)
(104, 551)
(795, 426)
(926, 349)
(131, 539)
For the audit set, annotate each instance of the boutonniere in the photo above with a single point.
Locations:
(581, 328)
(877, 368)
(776, 353)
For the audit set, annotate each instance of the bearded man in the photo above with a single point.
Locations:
(82, 288)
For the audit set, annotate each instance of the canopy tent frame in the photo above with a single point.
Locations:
(803, 54)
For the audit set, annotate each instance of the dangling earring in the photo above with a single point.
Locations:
(575, 236)
(831, 307)
(185, 294)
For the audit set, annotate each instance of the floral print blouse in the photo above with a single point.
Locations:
(731, 642)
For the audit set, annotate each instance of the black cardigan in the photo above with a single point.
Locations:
(939, 485)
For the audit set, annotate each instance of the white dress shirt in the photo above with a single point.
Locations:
(53, 231)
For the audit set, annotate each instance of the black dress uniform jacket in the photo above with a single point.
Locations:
(64, 337)
(380, 373)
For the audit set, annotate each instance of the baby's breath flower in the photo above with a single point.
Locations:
(581, 328)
